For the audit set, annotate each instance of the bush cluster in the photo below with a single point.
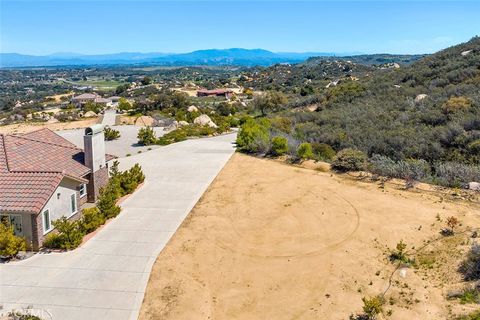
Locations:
(111, 134)
(69, 234)
(349, 160)
(304, 151)
(146, 136)
(449, 174)
(254, 136)
(470, 267)
(279, 146)
(10, 244)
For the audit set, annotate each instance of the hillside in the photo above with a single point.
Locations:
(428, 110)
(425, 115)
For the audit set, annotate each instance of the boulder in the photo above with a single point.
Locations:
(29, 116)
(90, 114)
(145, 121)
(475, 186)
(204, 120)
(52, 120)
(466, 53)
(192, 109)
(420, 97)
(183, 123)
(172, 126)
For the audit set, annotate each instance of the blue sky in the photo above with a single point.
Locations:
(95, 27)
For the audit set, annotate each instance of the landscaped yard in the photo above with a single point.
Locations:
(274, 241)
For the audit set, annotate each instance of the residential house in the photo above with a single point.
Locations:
(217, 92)
(44, 177)
(80, 100)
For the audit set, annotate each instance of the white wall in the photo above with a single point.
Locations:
(59, 202)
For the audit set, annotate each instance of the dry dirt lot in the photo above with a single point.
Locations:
(32, 126)
(274, 241)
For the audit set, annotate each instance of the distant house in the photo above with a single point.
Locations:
(82, 99)
(44, 177)
(217, 93)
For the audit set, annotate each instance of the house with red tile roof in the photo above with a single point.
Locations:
(216, 92)
(44, 177)
(82, 99)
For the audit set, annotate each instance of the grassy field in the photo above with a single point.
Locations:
(101, 84)
(274, 241)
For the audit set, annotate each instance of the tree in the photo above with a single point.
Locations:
(111, 134)
(270, 101)
(107, 202)
(124, 104)
(146, 80)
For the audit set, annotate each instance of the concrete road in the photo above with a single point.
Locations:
(106, 278)
(126, 144)
(109, 117)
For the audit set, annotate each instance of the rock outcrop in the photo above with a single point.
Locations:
(204, 120)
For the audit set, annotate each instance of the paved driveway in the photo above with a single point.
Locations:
(126, 144)
(107, 277)
(109, 117)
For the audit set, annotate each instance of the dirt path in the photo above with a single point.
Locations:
(272, 241)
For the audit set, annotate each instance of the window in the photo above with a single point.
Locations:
(47, 224)
(83, 190)
(73, 203)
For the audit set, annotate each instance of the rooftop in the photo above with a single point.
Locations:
(32, 165)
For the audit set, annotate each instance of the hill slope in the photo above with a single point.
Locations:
(428, 110)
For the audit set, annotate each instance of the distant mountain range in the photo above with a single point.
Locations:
(210, 57)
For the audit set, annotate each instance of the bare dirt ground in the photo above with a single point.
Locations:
(274, 241)
(32, 126)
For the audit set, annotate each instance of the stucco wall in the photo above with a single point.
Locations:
(58, 205)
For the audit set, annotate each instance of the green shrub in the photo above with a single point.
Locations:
(10, 244)
(107, 201)
(254, 136)
(323, 151)
(373, 307)
(475, 315)
(111, 134)
(70, 233)
(399, 254)
(21, 315)
(137, 174)
(279, 146)
(146, 136)
(52, 240)
(470, 295)
(92, 218)
(349, 160)
(304, 151)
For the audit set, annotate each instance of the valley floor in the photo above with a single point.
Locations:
(273, 241)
